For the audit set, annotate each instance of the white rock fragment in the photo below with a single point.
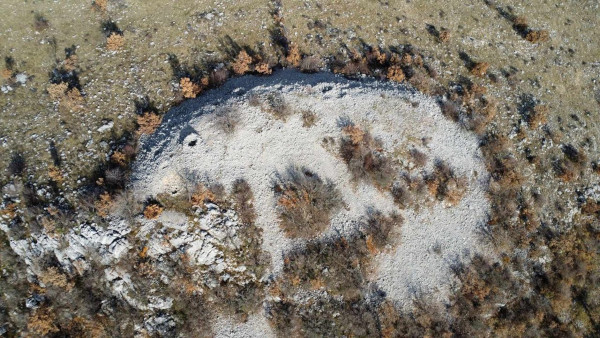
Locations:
(106, 127)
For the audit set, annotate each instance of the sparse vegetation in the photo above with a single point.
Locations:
(305, 203)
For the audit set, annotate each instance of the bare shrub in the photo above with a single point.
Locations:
(276, 105)
(311, 64)
(305, 203)
(308, 118)
(244, 201)
(218, 77)
(226, 119)
(16, 165)
(364, 156)
(419, 158)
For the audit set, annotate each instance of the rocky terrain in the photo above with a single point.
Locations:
(293, 168)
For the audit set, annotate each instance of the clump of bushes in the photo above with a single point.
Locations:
(444, 185)
(364, 156)
(305, 202)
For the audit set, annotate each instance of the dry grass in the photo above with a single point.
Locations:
(364, 156)
(152, 211)
(305, 203)
(115, 41)
(147, 123)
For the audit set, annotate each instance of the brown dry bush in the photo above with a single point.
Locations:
(444, 36)
(263, 68)
(293, 58)
(55, 174)
(57, 90)
(395, 73)
(54, 277)
(242, 63)
(305, 203)
(115, 41)
(203, 194)
(100, 5)
(104, 204)
(147, 123)
(364, 157)
(7, 73)
(41, 322)
(536, 36)
(189, 89)
(480, 69)
(152, 211)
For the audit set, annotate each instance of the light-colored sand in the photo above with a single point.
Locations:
(190, 144)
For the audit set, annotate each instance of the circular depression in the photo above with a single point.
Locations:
(227, 134)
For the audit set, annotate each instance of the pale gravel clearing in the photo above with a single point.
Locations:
(190, 146)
